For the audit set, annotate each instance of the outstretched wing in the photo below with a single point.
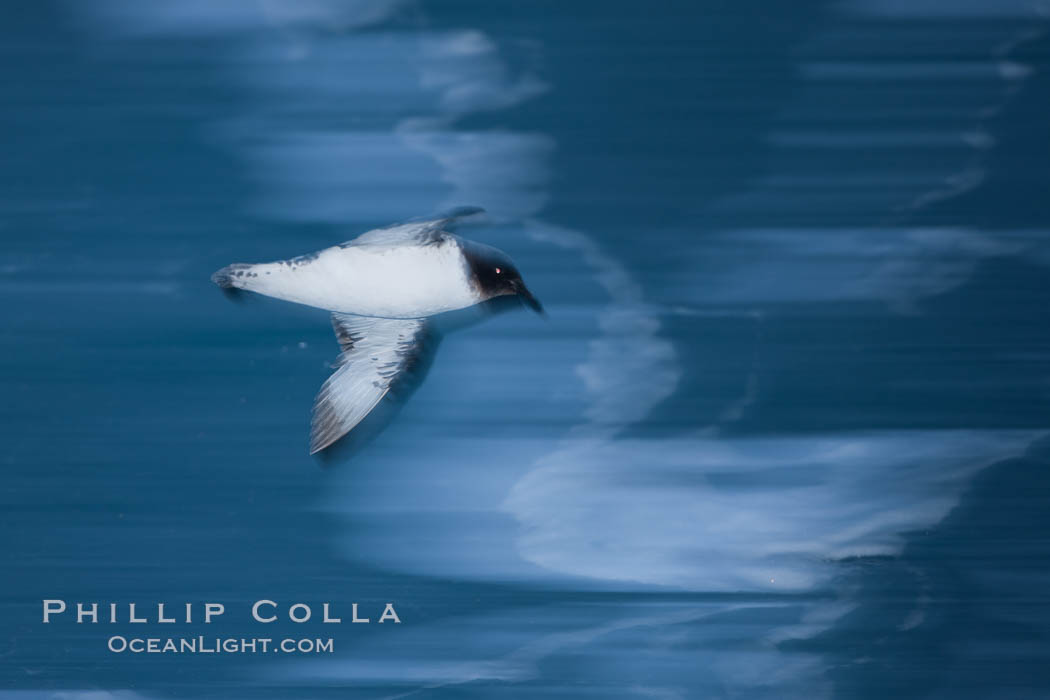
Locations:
(376, 351)
(420, 232)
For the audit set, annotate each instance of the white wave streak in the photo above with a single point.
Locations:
(629, 368)
(744, 514)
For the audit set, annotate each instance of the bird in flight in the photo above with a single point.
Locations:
(381, 287)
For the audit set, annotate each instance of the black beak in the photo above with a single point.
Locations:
(526, 298)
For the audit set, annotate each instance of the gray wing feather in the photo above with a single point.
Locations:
(420, 232)
(375, 352)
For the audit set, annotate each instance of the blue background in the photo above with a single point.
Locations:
(782, 436)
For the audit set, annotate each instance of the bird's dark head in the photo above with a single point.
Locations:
(494, 275)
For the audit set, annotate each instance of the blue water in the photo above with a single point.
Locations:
(783, 435)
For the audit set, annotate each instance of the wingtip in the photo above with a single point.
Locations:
(317, 446)
(322, 434)
(463, 212)
(453, 215)
(321, 439)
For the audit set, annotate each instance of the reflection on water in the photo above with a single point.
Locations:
(780, 436)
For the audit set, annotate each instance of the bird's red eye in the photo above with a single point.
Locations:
(499, 271)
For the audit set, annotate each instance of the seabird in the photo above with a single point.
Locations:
(381, 288)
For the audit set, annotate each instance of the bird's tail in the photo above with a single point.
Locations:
(233, 276)
(233, 280)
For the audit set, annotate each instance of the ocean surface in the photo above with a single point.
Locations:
(783, 435)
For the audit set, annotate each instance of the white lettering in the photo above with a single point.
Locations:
(259, 604)
(327, 615)
(91, 612)
(213, 610)
(292, 616)
(53, 606)
(389, 614)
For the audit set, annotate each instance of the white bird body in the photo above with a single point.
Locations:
(406, 281)
(380, 288)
